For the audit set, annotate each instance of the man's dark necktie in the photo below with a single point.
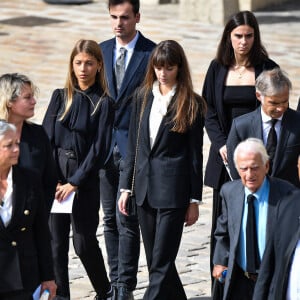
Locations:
(272, 143)
(252, 252)
(120, 67)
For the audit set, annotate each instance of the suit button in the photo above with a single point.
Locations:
(26, 212)
(23, 228)
(14, 243)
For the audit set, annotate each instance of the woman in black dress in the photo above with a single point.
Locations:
(229, 90)
(79, 124)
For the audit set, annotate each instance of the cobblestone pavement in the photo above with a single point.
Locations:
(36, 39)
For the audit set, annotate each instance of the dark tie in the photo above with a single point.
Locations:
(272, 143)
(252, 253)
(120, 67)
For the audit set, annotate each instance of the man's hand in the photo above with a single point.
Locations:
(192, 214)
(217, 271)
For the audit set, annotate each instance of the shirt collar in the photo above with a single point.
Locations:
(130, 46)
(265, 118)
(260, 191)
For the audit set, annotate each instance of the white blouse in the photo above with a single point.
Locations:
(6, 206)
(159, 109)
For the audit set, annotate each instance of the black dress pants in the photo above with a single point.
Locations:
(86, 247)
(162, 231)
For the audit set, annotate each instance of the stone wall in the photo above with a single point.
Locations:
(214, 11)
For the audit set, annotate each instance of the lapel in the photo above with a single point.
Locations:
(18, 198)
(256, 125)
(237, 212)
(281, 146)
(274, 198)
(131, 70)
(144, 129)
(109, 67)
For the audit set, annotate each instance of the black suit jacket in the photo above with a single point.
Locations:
(229, 223)
(36, 154)
(216, 123)
(25, 250)
(273, 276)
(170, 173)
(288, 147)
(135, 73)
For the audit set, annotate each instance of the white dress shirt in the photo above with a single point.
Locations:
(6, 207)
(266, 122)
(129, 47)
(293, 291)
(159, 109)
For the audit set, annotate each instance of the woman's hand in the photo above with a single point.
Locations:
(63, 191)
(223, 153)
(192, 214)
(123, 202)
(50, 286)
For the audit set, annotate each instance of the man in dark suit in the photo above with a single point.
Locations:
(121, 232)
(272, 89)
(232, 236)
(279, 274)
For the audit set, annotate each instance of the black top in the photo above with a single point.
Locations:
(85, 130)
(239, 100)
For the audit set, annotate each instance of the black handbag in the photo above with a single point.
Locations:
(131, 206)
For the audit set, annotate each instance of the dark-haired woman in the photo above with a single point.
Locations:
(168, 178)
(229, 90)
(79, 124)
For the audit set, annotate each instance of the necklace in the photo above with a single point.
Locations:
(240, 70)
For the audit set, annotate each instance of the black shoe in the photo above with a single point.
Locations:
(124, 294)
(109, 296)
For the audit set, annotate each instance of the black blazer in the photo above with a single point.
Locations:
(216, 125)
(288, 147)
(25, 250)
(36, 154)
(170, 173)
(135, 73)
(274, 272)
(229, 223)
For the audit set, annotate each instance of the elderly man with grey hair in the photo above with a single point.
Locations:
(274, 123)
(249, 208)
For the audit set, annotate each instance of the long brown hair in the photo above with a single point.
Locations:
(187, 103)
(91, 48)
(225, 53)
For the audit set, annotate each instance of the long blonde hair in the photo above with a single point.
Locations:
(91, 48)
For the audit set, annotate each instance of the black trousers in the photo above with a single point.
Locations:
(241, 287)
(121, 233)
(162, 231)
(86, 247)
